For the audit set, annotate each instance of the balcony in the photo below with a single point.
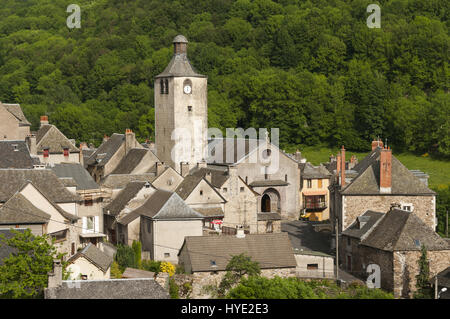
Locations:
(314, 203)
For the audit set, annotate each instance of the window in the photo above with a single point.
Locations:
(266, 176)
(269, 227)
(407, 207)
(90, 223)
(72, 250)
(189, 108)
(285, 177)
(242, 189)
(309, 183)
(66, 152)
(161, 86)
(312, 266)
(319, 181)
(46, 152)
(88, 202)
(225, 189)
(266, 153)
(201, 193)
(166, 255)
(15, 147)
(417, 242)
(213, 263)
(166, 86)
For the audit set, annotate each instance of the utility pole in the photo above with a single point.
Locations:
(435, 287)
(336, 226)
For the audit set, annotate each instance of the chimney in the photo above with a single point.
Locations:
(184, 168)
(342, 166)
(130, 140)
(338, 164)
(159, 168)
(55, 277)
(31, 142)
(240, 231)
(44, 120)
(394, 206)
(202, 164)
(105, 138)
(298, 156)
(385, 171)
(232, 170)
(376, 144)
(332, 158)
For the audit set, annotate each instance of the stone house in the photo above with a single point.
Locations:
(393, 241)
(314, 192)
(90, 263)
(314, 264)
(210, 255)
(14, 125)
(128, 199)
(375, 183)
(137, 161)
(52, 147)
(89, 208)
(165, 220)
(110, 153)
(142, 288)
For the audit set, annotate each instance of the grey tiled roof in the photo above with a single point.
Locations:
(142, 288)
(401, 230)
(310, 171)
(116, 181)
(130, 161)
(50, 137)
(16, 110)
(265, 183)
(5, 250)
(180, 66)
(106, 150)
(188, 184)
(162, 205)
(15, 154)
(19, 210)
(43, 179)
(83, 179)
(218, 176)
(444, 277)
(354, 231)
(269, 250)
(95, 256)
(122, 199)
(210, 211)
(368, 181)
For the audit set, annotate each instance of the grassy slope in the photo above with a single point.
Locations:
(439, 171)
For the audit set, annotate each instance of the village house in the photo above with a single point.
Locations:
(375, 183)
(142, 288)
(15, 154)
(90, 263)
(314, 193)
(51, 146)
(14, 125)
(89, 208)
(393, 241)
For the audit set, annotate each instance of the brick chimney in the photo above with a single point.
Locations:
(342, 166)
(376, 144)
(184, 168)
(105, 138)
(130, 140)
(44, 120)
(338, 163)
(386, 171)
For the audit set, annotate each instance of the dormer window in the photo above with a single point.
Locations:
(66, 152)
(46, 152)
(15, 147)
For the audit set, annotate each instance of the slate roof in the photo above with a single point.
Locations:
(106, 150)
(310, 171)
(5, 250)
(368, 181)
(116, 181)
(354, 231)
(218, 176)
(123, 197)
(68, 182)
(95, 256)
(77, 172)
(399, 230)
(15, 154)
(16, 110)
(210, 211)
(43, 179)
(19, 210)
(212, 253)
(137, 273)
(50, 137)
(266, 183)
(142, 288)
(187, 186)
(444, 278)
(162, 205)
(130, 161)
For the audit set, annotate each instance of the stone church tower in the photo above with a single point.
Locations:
(181, 111)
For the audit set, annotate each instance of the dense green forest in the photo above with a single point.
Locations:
(311, 68)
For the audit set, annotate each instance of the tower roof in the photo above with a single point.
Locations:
(180, 39)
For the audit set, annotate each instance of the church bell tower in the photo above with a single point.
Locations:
(181, 111)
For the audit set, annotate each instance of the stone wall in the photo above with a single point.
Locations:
(354, 206)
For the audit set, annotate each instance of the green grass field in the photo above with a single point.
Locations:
(438, 170)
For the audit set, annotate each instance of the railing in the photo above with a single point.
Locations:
(315, 205)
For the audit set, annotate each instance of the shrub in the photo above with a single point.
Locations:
(115, 271)
(173, 289)
(125, 257)
(137, 248)
(151, 265)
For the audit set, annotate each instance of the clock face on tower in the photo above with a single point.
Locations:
(187, 89)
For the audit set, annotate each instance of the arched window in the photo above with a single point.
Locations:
(166, 86)
(161, 86)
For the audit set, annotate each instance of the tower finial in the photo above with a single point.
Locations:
(180, 44)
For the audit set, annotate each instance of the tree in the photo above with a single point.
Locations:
(137, 248)
(423, 285)
(238, 267)
(24, 274)
(125, 257)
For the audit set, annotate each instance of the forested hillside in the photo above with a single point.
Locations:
(312, 68)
